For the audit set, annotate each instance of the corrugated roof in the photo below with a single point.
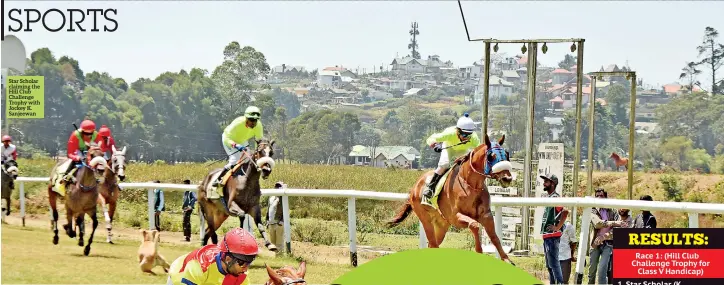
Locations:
(510, 73)
(389, 152)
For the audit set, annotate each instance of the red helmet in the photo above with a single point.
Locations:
(88, 126)
(7, 138)
(241, 244)
(104, 131)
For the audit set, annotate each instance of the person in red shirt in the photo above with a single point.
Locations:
(78, 142)
(108, 141)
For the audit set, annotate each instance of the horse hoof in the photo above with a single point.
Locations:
(55, 240)
(86, 251)
(110, 241)
(80, 243)
(271, 247)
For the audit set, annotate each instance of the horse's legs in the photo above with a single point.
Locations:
(219, 219)
(489, 224)
(441, 228)
(94, 217)
(80, 221)
(474, 227)
(69, 229)
(108, 210)
(52, 198)
(260, 226)
(427, 225)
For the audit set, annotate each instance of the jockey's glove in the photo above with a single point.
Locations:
(437, 147)
(238, 147)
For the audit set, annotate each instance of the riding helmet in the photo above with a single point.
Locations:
(240, 244)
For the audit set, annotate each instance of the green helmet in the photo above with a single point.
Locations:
(252, 112)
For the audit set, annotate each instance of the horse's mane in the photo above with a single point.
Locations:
(287, 271)
(615, 156)
(462, 159)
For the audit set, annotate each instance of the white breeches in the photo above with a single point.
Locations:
(233, 158)
(443, 163)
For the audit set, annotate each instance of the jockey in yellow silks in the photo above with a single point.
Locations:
(451, 143)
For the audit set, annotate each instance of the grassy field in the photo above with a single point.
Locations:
(319, 228)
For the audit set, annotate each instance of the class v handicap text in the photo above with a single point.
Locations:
(667, 239)
(55, 20)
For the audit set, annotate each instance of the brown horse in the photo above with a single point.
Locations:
(81, 198)
(244, 190)
(464, 201)
(286, 275)
(109, 189)
(620, 161)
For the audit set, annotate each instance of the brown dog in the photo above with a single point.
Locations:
(148, 256)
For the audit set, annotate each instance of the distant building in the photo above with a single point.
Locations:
(385, 156)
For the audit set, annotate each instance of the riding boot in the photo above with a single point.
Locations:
(429, 190)
(217, 182)
(66, 175)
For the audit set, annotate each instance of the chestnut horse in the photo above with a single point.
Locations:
(464, 201)
(287, 275)
(620, 161)
(109, 189)
(244, 190)
(81, 198)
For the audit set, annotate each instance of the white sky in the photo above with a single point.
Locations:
(656, 38)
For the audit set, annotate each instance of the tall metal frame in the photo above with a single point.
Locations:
(532, 64)
(630, 75)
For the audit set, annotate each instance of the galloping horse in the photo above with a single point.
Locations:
(242, 189)
(81, 198)
(464, 201)
(109, 189)
(9, 174)
(287, 275)
(619, 161)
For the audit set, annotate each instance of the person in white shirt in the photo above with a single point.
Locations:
(567, 249)
(274, 220)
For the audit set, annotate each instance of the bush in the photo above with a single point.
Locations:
(670, 184)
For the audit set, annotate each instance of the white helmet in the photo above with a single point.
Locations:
(466, 124)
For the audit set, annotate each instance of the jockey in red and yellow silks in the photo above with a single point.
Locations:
(222, 264)
(78, 142)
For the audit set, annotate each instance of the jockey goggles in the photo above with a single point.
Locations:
(464, 134)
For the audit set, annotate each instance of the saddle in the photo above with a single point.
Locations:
(443, 179)
(218, 192)
(59, 184)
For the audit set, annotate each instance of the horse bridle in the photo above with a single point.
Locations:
(87, 188)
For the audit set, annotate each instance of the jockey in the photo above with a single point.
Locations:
(108, 141)
(215, 264)
(457, 140)
(236, 136)
(78, 142)
(8, 152)
(8, 149)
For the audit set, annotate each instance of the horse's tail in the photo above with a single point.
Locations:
(402, 214)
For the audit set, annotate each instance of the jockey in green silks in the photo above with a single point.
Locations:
(451, 143)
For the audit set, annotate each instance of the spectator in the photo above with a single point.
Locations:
(275, 220)
(188, 208)
(603, 221)
(645, 219)
(553, 219)
(158, 206)
(567, 250)
(624, 216)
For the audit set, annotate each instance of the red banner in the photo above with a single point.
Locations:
(668, 263)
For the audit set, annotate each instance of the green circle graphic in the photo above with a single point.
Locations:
(436, 266)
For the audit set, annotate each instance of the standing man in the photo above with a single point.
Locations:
(603, 220)
(158, 206)
(553, 220)
(646, 219)
(275, 219)
(188, 208)
(9, 152)
(567, 250)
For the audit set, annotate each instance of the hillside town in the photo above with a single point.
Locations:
(441, 81)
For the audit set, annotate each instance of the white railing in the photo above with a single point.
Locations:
(693, 209)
